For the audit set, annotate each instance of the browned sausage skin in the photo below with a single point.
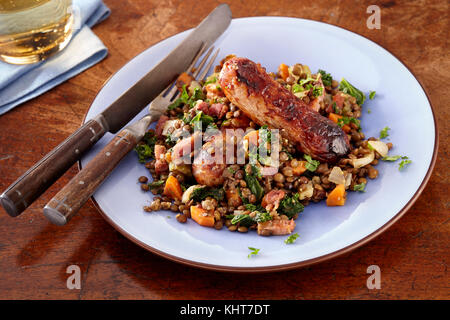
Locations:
(265, 101)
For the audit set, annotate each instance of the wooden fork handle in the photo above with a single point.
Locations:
(44, 173)
(65, 204)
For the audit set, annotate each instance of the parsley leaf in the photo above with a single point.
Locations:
(253, 252)
(253, 183)
(326, 78)
(243, 220)
(290, 206)
(200, 194)
(156, 184)
(391, 158)
(346, 87)
(291, 238)
(317, 91)
(311, 164)
(384, 132)
(297, 88)
(372, 95)
(359, 187)
(403, 163)
(262, 216)
(201, 120)
(146, 147)
(347, 120)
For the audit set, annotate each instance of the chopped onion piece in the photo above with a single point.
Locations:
(185, 169)
(348, 179)
(379, 147)
(187, 194)
(361, 162)
(337, 176)
(307, 191)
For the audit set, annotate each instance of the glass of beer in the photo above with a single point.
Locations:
(33, 30)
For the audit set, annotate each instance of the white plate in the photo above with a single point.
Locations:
(325, 232)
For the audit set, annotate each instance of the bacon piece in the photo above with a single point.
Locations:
(160, 125)
(273, 197)
(218, 110)
(276, 227)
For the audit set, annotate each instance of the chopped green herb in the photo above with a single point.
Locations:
(359, 187)
(144, 152)
(291, 238)
(307, 80)
(253, 252)
(252, 207)
(372, 95)
(183, 99)
(262, 216)
(231, 170)
(311, 164)
(146, 147)
(211, 79)
(384, 132)
(369, 111)
(297, 88)
(347, 120)
(327, 79)
(201, 121)
(200, 194)
(391, 158)
(317, 91)
(290, 206)
(403, 163)
(170, 141)
(253, 183)
(346, 87)
(186, 99)
(156, 184)
(196, 95)
(243, 220)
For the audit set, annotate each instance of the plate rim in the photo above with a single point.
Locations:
(293, 265)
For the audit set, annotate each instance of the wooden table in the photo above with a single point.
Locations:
(413, 254)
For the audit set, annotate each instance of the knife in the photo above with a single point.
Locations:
(19, 195)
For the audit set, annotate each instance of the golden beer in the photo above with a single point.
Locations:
(32, 30)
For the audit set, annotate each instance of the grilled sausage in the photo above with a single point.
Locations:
(265, 101)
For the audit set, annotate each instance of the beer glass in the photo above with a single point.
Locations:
(33, 30)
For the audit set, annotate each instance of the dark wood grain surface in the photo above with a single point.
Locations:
(413, 254)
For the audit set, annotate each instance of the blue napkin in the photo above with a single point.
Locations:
(20, 83)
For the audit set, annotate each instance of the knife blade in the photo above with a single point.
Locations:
(19, 195)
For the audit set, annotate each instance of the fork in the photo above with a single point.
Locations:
(66, 203)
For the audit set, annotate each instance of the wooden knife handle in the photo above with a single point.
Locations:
(44, 173)
(71, 198)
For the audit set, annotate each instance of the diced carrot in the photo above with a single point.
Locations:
(283, 70)
(202, 217)
(233, 198)
(337, 196)
(299, 169)
(173, 189)
(335, 118)
(183, 79)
